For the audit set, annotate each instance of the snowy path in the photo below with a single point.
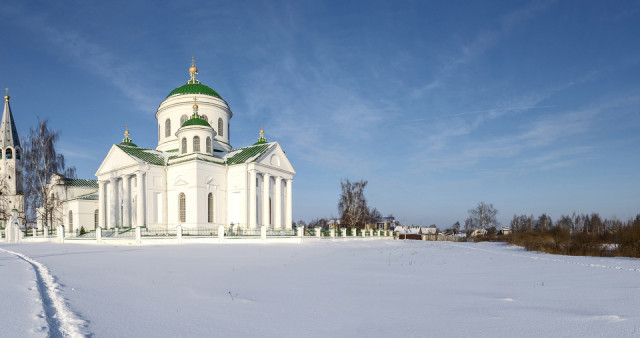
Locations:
(21, 312)
(60, 320)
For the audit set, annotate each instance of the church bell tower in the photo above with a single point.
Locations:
(11, 192)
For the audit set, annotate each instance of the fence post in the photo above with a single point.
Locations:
(263, 232)
(179, 233)
(300, 232)
(99, 234)
(370, 232)
(363, 232)
(46, 231)
(343, 231)
(60, 233)
(138, 235)
(221, 233)
(332, 233)
(318, 231)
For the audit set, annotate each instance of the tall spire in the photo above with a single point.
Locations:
(8, 132)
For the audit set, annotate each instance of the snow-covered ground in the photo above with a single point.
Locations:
(372, 288)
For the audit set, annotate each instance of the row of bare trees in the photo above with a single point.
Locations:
(577, 234)
(591, 224)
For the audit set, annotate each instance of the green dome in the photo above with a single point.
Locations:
(194, 88)
(196, 121)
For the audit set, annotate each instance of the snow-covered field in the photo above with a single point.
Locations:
(356, 288)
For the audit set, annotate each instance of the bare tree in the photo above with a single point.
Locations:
(40, 163)
(374, 216)
(352, 206)
(456, 227)
(544, 223)
(482, 217)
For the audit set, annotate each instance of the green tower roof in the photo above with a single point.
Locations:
(194, 88)
(195, 121)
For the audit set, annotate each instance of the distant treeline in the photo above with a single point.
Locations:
(577, 235)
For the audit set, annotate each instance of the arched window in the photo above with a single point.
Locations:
(183, 119)
(196, 144)
(220, 127)
(1, 153)
(210, 208)
(17, 154)
(184, 145)
(204, 117)
(70, 221)
(182, 207)
(9, 154)
(167, 128)
(158, 131)
(96, 219)
(208, 145)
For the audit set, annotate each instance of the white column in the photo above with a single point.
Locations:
(278, 207)
(265, 200)
(288, 206)
(252, 199)
(102, 199)
(126, 201)
(112, 203)
(139, 200)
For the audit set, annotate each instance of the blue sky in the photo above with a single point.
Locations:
(533, 106)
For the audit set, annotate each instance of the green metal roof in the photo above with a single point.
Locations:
(194, 88)
(87, 197)
(79, 182)
(128, 143)
(247, 154)
(148, 155)
(196, 121)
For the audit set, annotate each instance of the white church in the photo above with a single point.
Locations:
(193, 178)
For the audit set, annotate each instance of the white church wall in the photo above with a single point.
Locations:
(196, 179)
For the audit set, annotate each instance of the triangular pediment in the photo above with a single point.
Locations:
(276, 158)
(117, 159)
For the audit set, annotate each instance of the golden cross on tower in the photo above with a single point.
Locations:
(193, 70)
(6, 96)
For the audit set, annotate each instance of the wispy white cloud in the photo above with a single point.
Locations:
(483, 41)
(79, 51)
(545, 132)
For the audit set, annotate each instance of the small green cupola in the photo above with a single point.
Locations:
(127, 141)
(261, 139)
(195, 119)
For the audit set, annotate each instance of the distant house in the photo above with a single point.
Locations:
(479, 232)
(430, 230)
(385, 223)
(505, 231)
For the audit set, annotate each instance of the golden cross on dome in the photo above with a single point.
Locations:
(193, 70)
